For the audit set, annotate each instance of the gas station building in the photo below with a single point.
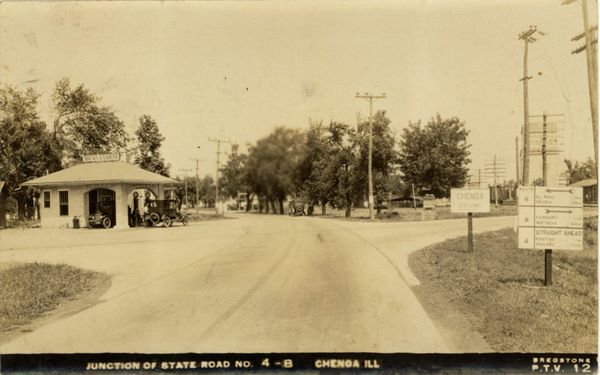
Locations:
(80, 191)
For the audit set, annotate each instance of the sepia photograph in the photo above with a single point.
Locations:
(305, 186)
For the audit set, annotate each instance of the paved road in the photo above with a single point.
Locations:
(256, 284)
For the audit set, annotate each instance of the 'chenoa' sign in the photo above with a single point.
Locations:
(469, 200)
(551, 217)
(100, 158)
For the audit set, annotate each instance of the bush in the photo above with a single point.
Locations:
(383, 215)
(590, 231)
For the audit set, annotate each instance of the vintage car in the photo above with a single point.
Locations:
(296, 207)
(163, 211)
(104, 216)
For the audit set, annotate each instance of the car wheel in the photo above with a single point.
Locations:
(167, 221)
(154, 218)
(106, 222)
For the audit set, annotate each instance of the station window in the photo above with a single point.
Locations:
(63, 200)
(46, 199)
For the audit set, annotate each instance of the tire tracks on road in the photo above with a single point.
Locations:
(381, 252)
(175, 271)
(292, 245)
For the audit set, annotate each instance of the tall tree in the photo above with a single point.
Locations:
(311, 169)
(234, 177)
(207, 190)
(339, 168)
(272, 167)
(435, 156)
(26, 147)
(148, 149)
(82, 125)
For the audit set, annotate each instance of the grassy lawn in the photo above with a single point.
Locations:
(411, 214)
(499, 289)
(30, 290)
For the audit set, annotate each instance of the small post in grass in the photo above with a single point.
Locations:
(470, 231)
(468, 201)
(547, 267)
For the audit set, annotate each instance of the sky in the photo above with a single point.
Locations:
(236, 70)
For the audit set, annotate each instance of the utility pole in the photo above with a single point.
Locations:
(547, 140)
(527, 37)
(370, 97)
(544, 159)
(517, 178)
(590, 47)
(218, 142)
(197, 181)
(185, 171)
(495, 169)
(472, 178)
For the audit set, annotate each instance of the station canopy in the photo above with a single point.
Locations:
(585, 183)
(114, 172)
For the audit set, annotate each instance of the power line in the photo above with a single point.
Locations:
(590, 47)
(218, 142)
(185, 184)
(370, 98)
(197, 180)
(495, 169)
(528, 37)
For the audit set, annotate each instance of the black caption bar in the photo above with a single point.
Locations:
(509, 363)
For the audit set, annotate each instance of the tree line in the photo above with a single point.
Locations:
(81, 125)
(327, 165)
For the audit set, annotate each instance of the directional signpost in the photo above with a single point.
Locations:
(550, 218)
(469, 201)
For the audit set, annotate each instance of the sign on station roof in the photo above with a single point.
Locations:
(101, 158)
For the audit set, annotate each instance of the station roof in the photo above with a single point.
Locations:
(585, 183)
(100, 173)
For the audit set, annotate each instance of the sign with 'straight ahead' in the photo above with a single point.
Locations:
(469, 200)
(551, 217)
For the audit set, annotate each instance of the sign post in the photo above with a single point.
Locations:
(548, 267)
(469, 201)
(550, 217)
(470, 231)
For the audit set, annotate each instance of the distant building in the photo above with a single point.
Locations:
(590, 190)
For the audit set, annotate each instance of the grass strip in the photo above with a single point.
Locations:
(499, 289)
(29, 290)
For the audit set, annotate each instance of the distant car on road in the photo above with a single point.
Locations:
(296, 207)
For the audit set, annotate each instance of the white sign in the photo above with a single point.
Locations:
(550, 217)
(551, 196)
(551, 126)
(100, 158)
(469, 200)
(550, 238)
(428, 204)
